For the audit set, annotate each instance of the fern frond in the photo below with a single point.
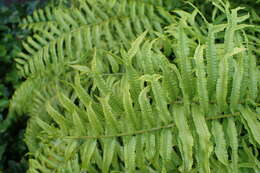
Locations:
(183, 52)
(205, 146)
(252, 122)
(70, 31)
(201, 79)
(185, 139)
(41, 19)
(238, 77)
(219, 137)
(101, 100)
(212, 60)
(232, 135)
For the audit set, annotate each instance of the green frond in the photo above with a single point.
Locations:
(205, 145)
(57, 117)
(232, 134)
(80, 32)
(212, 60)
(221, 144)
(236, 87)
(146, 109)
(201, 79)
(126, 86)
(185, 139)
(41, 19)
(252, 122)
(183, 52)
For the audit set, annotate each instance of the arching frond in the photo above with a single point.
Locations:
(101, 99)
(81, 29)
(41, 19)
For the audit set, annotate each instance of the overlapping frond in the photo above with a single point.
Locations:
(41, 19)
(184, 100)
(152, 135)
(90, 24)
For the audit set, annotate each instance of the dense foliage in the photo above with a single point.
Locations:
(141, 86)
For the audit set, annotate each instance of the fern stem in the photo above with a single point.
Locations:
(145, 130)
(122, 134)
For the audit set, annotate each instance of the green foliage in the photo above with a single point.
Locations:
(127, 86)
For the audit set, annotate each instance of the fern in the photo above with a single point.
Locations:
(101, 99)
(40, 19)
(72, 27)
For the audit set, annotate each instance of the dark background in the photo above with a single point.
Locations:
(12, 146)
(10, 2)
